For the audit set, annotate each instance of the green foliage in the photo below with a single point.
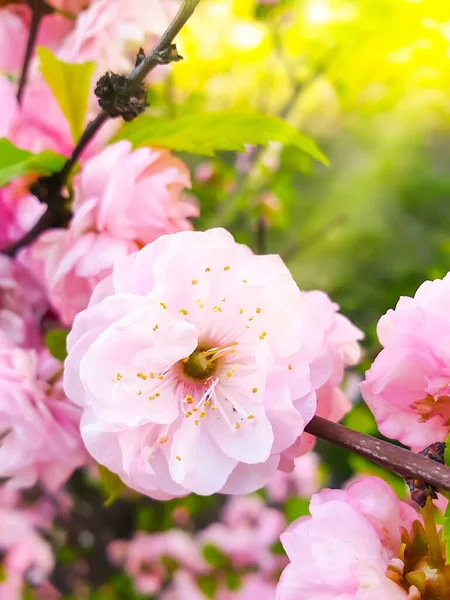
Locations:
(208, 133)
(208, 585)
(112, 484)
(214, 556)
(15, 162)
(70, 83)
(234, 582)
(296, 507)
(55, 341)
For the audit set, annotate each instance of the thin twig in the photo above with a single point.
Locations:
(397, 460)
(37, 13)
(158, 56)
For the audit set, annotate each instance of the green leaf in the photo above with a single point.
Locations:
(296, 507)
(112, 484)
(214, 556)
(206, 133)
(234, 581)
(55, 341)
(70, 83)
(208, 585)
(447, 451)
(15, 162)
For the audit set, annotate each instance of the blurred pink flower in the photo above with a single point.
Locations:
(408, 386)
(22, 304)
(347, 546)
(303, 480)
(143, 557)
(110, 32)
(247, 534)
(26, 555)
(196, 364)
(341, 340)
(39, 428)
(114, 216)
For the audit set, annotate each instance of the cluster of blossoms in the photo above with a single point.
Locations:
(223, 556)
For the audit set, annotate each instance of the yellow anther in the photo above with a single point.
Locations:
(163, 305)
(161, 377)
(155, 327)
(254, 390)
(224, 299)
(188, 414)
(178, 457)
(213, 408)
(183, 311)
(119, 376)
(157, 395)
(229, 373)
(189, 399)
(258, 310)
(207, 403)
(163, 440)
(139, 392)
(250, 318)
(151, 375)
(245, 281)
(241, 311)
(251, 417)
(141, 375)
(234, 343)
(207, 270)
(247, 326)
(194, 282)
(197, 422)
(237, 426)
(227, 268)
(194, 409)
(202, 414)
(290, 367)
(217, 309)
(151, 397)
(263, 335)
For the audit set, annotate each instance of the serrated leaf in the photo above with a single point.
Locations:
(15, 162)
(112, 484)
(207, 133)
(55, 341)
(70, 83)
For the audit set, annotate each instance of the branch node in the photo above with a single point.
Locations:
(119, 98)
(168, 55)
(419, 489)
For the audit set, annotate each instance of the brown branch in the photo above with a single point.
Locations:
(398, 460)
(37, 12)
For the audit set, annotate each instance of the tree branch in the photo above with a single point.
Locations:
(37, 12)
(162, 53)
(398, 460)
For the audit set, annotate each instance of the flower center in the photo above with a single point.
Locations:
(200, 364)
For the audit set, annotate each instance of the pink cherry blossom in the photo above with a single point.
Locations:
(407, 386)
(26, 554)
(110, 32)
(196, 364)
(39, 428)
(342, 344)
(113, 217)
(142, 557)
(303, 480)
(348, 546)
(22, 304)
(247, 534)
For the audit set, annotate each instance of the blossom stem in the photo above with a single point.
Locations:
(398, 460)
(435, 558)
(37, 13)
